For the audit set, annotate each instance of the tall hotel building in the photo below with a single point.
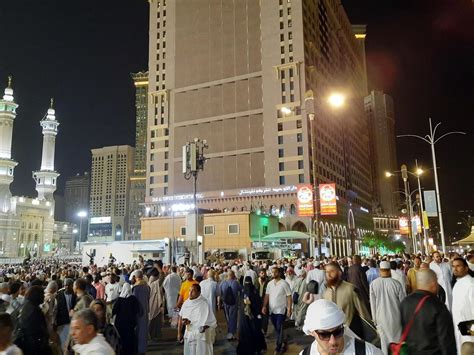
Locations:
(138, 178)
(237, 73)
(380, 113)
(109, 196)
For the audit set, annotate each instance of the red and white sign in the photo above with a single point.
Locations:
(403, 226)
(327, 196)
(304, 195)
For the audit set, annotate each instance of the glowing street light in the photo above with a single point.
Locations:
(81, 215)
(419, 171)
(336, 100)
(285, 110)
(388, 174)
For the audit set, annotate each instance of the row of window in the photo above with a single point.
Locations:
(211, 229)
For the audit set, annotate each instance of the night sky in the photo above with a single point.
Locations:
(82, 53)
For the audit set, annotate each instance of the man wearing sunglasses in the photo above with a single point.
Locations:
(325, 322)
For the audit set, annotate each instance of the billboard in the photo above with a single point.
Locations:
(305, 202)
(403, 224)
(327, 196)
(100, 220)
(431, 207)
(416, 224)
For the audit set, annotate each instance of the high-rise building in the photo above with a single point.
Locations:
(138, 178)
(380, 113)
(109, 194)
(76, 196)
(247, 76)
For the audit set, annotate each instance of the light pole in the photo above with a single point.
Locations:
(432, 140)
(336, 101)
(418, 173)
(193, 161)
(81, 215)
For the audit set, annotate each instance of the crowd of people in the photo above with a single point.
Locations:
(352, 305)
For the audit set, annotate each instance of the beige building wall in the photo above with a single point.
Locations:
(162, 227)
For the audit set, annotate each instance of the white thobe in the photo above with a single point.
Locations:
(444, 274)
(386, 294)
(209, 292)
(319, 276)
(400, 277)
(252, 274)
(463, 307)
(171, 285)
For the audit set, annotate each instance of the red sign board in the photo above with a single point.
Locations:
(327, 196)
(304, 195)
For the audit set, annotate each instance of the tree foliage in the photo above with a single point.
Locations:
(380, 242)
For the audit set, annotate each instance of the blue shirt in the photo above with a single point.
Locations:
(236, 287)
(372, 274)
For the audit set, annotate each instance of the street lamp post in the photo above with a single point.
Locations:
(419, 171)
(81, 215)
(432, 140)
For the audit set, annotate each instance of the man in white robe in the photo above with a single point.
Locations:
(200, 324)
(463, 299)
(209, 290)
(171, 285)
(444, 274)
(386, 295)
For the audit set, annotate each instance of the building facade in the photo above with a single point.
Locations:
(110, 189)
(27, 224)
(138, 178)
(76, 196)
(380, 113)
(259, 99)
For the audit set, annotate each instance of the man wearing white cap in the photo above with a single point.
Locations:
(386, 294)
(325, 322)
(317, 275)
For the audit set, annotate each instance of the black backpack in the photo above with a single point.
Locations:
(229, 297)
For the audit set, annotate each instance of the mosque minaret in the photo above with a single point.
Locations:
(46, 178)
(7, 164)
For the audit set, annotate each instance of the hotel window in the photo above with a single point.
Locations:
(281, 153)
(301, 178)
(183, 231)
(282, 180)
(209, 230)
(280, 127)
(233, 229)
(280, 139)
(300, 164)
(300, 150)
(281, 166)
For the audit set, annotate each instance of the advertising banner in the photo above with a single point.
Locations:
(327, 195)
(305, 204)
(416, 224)
(431, 207)
(426, 223)
(403, 223)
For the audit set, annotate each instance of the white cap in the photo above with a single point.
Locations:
(316, 263)
(322, 315)
(384, 265)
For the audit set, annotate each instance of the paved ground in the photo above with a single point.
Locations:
(168, 346)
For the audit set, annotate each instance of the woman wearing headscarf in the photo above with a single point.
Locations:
(31, 335)
(105, 328)
(50, 310)
(251, 338)
(298, 292)
(125, 310)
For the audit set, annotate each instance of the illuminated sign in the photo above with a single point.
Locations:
(403, 224)
(305, 203)
(416, 224)
(99, 220)
(327, 196)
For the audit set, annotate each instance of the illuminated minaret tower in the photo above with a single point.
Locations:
(47, 176)
(7, 165)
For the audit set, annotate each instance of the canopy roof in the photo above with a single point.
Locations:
(286, 235)
(468, 240)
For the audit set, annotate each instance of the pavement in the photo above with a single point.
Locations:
(167, 345)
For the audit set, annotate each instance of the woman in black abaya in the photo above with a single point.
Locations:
(251, 339)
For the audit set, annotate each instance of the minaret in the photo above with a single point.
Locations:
(47, 176)
(7, 165)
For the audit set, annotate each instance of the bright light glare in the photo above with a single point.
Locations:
(336, 100)
(419, 171)
(285, 110)
(388, 174)
(82, 214)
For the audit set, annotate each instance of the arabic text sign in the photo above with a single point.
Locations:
(304, 195)
(327, 195)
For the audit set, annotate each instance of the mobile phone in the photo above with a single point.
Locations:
(466, 327)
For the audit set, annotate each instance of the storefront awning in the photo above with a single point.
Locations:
(286, 235)
(468, 240)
